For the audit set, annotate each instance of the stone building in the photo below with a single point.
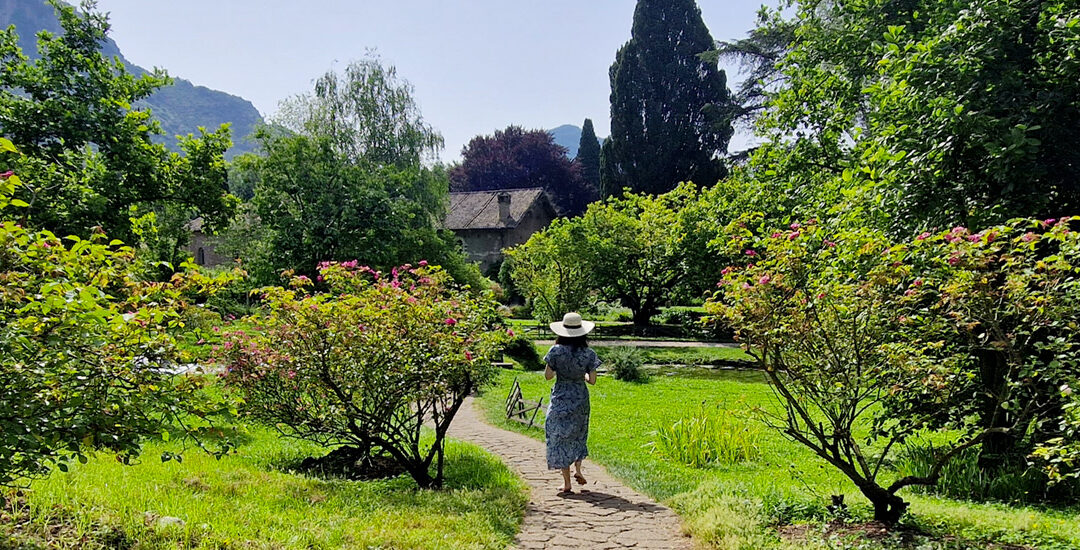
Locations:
(486, 222)
(202, 248)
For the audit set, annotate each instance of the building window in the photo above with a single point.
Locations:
(200, 256)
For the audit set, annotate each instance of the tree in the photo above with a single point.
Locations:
(88, 154)
(516, 158)
(945, 113)
(633, 249)
(670, 107)
(87, 349)
(343, 178)
(760, 54)
(588, 157)
(369, 363)
(868, 342)
(550, 270)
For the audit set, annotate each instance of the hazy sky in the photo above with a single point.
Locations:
(476, 65)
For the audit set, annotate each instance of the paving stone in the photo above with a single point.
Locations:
(608, 516)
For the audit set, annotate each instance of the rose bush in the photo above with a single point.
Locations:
(973, 332)
(87, 349)
(367, 362)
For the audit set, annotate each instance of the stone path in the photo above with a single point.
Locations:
(605, 515)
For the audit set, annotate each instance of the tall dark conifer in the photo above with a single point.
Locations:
(670, 108)
(588, 156)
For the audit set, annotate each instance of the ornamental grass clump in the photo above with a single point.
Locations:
(366, 363)
(709, 438)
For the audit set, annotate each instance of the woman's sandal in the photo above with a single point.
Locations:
(580, 479)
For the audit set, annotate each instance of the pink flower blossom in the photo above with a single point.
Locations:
(423, 263)
(821, 296)
(726, 270)
(764, 280)
(7, 174)
(974, 238)
(510, 332)
(468, 355)
(830, 244)
(1028, 237)
(959, 229)
(1050, 221)
(291, 374)
(954, 259)
(793, 235)
(751, 253)
(923, 236)
(795, 225)
(746, 286)
(918, 282)
(777, 235)
(450, 321)
(909, 292)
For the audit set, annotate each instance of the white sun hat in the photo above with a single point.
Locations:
(572, 326)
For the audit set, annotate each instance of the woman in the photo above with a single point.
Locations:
(567, 423)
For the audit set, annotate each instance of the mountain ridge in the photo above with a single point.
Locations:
(181, 107)
(569, 136)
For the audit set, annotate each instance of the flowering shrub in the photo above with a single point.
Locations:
(367, 362)
(973, 332)
(86, 349)
(992, 316)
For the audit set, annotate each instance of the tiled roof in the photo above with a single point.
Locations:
(480, 209)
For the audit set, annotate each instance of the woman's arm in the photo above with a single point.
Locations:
(590, 377)
(548, 373)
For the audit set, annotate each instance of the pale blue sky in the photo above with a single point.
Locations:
(476, 65)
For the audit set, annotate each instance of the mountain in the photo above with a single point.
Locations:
(181, 108)
(569, 136)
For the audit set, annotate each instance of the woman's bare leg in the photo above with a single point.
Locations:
(566, 480)
(577, 469)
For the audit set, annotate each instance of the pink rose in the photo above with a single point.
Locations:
(764, 280)
(751, 253)
(923, 236)
(451, 322)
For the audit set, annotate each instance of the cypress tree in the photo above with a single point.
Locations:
(669, 107)
(588, 157)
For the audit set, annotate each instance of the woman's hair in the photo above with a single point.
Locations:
(572, 341)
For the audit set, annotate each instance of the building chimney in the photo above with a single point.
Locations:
(504, 207)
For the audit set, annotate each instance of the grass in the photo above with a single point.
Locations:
(703, 356)
(738, 505)
(252, 500)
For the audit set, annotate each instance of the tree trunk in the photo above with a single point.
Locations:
(888, 508)
(422, 477)
(998, 448)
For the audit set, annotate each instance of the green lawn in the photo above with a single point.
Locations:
(679, 356)
(251, 500)
(734, 506)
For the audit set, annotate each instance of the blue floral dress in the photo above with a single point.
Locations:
(567, 424)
